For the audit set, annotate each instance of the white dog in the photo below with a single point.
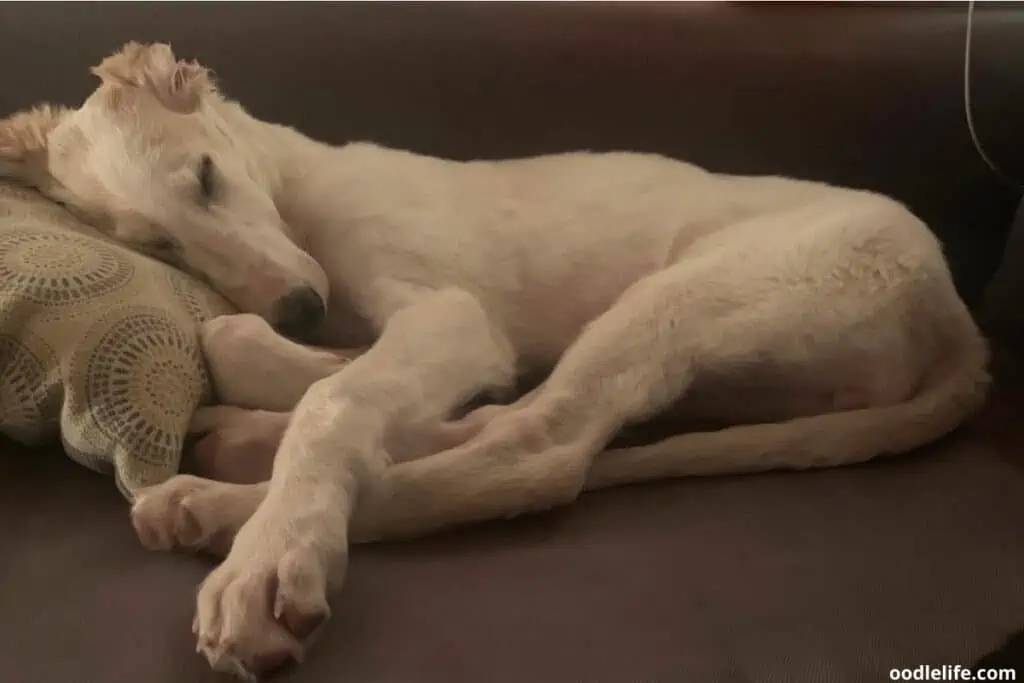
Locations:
(819, 325)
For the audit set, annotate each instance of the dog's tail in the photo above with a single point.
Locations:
(955, 389)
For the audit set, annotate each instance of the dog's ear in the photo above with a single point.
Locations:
(23, 144)
(179, 85)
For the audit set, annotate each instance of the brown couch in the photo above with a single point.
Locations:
(834, 575)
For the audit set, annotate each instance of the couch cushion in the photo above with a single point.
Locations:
(833, 575)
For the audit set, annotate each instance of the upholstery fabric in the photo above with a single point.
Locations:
(98, 344)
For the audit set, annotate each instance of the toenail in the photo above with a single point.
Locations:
(191, 531)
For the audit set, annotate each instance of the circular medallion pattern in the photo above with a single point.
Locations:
(23, 390)
(201, 302)
(60, 269)
(141, 384)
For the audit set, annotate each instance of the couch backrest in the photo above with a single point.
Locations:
(861, 95)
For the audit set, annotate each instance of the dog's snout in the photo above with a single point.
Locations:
(299, 312)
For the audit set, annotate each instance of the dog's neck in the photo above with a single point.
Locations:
(292, 165)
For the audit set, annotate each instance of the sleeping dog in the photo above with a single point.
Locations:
(819, 324)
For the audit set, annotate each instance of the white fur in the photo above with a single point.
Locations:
(819, 324)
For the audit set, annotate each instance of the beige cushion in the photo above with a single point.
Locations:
(98, 344)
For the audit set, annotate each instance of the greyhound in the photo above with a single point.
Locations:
(818, 325)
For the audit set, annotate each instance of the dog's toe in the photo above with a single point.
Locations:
(300, 602)
(255, 610)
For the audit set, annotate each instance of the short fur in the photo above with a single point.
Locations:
(819, 324)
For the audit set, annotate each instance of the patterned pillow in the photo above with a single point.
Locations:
(98, 344)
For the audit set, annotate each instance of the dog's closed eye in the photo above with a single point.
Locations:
(162, 248)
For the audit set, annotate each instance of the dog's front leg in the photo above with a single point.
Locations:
(254, 367)
(270, 593)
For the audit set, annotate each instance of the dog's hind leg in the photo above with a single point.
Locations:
(722, 313)
(452, 433)
(626, 365)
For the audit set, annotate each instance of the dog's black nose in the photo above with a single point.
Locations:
(298, 313)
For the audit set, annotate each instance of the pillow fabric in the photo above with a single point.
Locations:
(98, 344)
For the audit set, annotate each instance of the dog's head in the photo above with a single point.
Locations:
(159, 160)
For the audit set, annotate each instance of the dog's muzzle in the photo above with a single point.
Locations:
(299, 313)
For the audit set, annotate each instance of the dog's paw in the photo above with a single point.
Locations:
(164, 516)
(230, 334)
(194, 514)
(256, 611)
